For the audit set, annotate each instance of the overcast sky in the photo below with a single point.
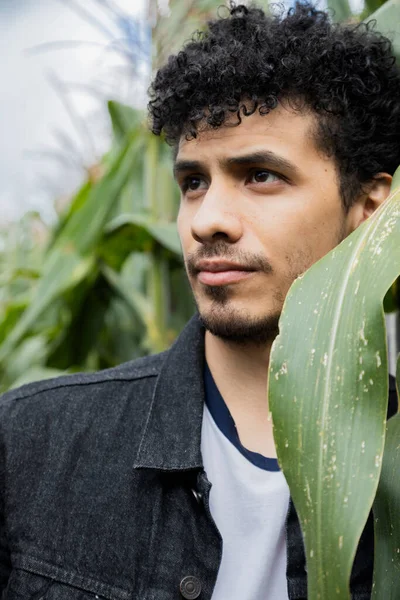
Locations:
(52, 93)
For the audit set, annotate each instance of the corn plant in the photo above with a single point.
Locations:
(104, 265)
(328, 391)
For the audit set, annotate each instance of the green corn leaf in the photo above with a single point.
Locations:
(136, 233)
(328, 388)
(341, 9)
(10, 315)
(63, 271)
(72, 256)
(31, 353)
(387, 518)
(388, 22)
(166, 234)
(136, 301)
(85, 227)
(77, 202)
(88, 309)
(124, 119)
(139, 306)
(371, 5)
(396, 180)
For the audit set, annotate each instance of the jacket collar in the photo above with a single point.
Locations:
(172, 434)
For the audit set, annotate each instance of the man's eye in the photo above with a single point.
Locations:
(263, 176)
(192, 184)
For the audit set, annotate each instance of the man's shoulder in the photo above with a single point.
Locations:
(79, 387)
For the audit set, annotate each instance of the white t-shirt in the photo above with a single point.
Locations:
(249, 501)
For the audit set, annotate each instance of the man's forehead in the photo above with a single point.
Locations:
(204, 134)
(282, 129)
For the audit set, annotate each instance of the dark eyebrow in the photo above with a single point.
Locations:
(183, 166)
(273, 160)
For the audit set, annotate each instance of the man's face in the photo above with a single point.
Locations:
(262, 196)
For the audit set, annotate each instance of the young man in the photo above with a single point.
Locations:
(158, 479)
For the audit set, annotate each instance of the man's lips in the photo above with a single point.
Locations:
(223, 277)
(222, 272)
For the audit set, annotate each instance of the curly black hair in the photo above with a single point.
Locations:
(249, 60)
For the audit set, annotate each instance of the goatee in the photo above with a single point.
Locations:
(241, 329)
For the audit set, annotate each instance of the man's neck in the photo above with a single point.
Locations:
(241, 375)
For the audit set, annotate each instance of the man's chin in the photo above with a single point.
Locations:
(241, 329)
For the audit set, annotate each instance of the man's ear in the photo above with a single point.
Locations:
(374, 194)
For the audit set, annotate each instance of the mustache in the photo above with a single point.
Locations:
(226, 252)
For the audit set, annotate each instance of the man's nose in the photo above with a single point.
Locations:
(217, 216)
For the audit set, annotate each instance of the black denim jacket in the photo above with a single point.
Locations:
(103, 492)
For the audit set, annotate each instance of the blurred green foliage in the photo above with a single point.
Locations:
(106, 284)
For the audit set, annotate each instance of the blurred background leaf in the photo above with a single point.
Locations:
(104, 282)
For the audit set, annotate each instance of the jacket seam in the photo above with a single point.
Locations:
(146, 425)
(31, 394)
(43, 568)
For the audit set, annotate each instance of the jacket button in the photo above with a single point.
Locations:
(190, 587)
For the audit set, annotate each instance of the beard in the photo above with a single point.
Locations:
(238, 326)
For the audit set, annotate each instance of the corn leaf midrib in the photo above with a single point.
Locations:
(371, 226)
